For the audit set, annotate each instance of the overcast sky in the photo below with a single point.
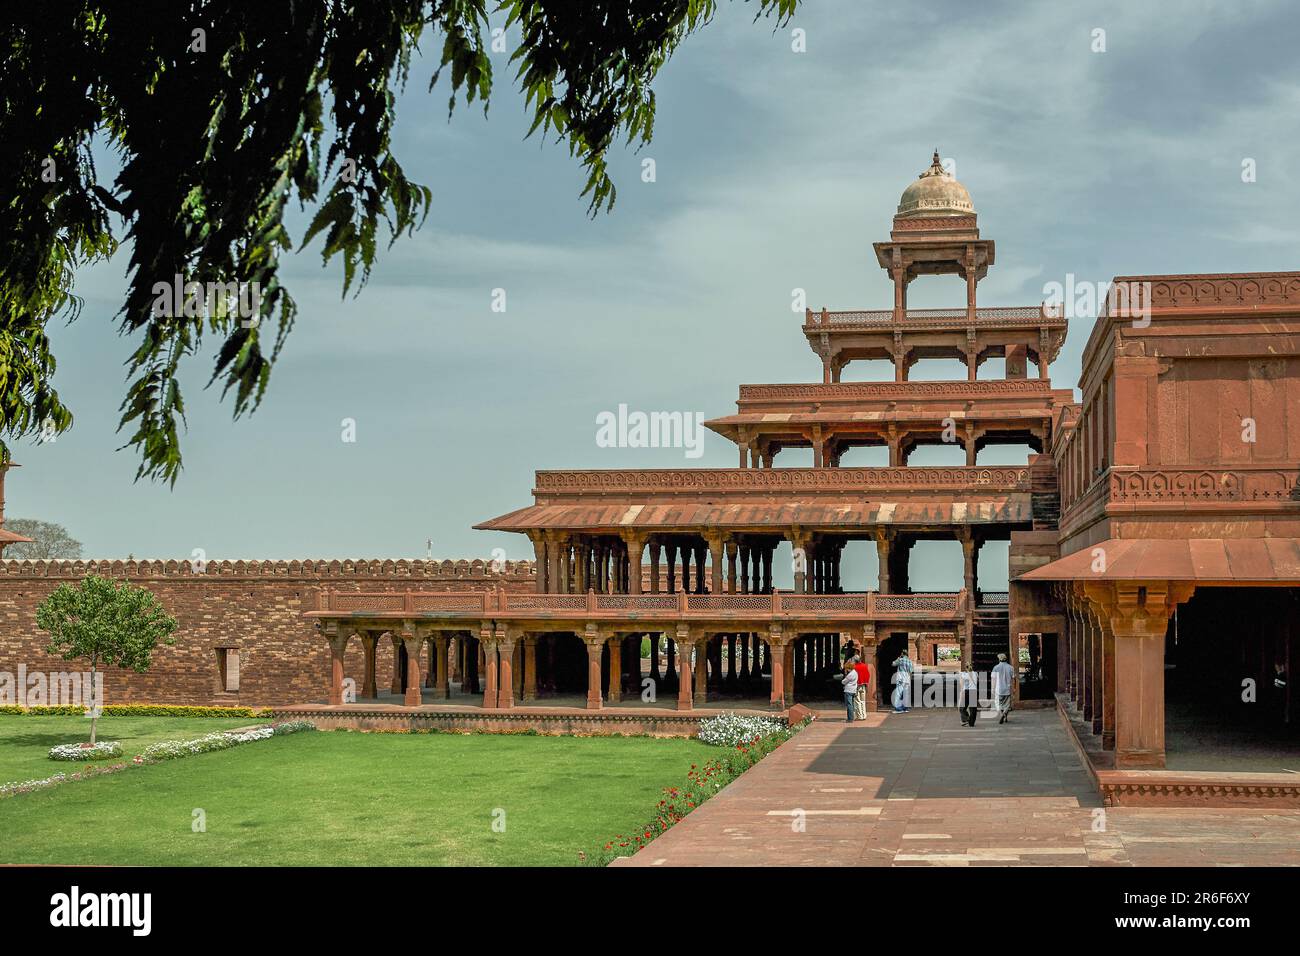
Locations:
(775, 170)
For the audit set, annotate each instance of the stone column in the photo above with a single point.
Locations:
(800, 546)
(685, 686)
(442, 683)
(884, 541)
(506, 637)
(776, 657)
(338, 642)
(368, 642)
(395, 685)
(701, 671)
(615, 694)
(788, 678)
(715, 562)
(530, 668)
(654, 565)
(635, 548)
(414, 674)
(671, 551)
(594, 642)
(488, 645)
(539, 560)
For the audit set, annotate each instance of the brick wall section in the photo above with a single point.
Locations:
(253, 605)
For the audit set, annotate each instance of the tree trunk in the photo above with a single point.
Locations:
(94, 705)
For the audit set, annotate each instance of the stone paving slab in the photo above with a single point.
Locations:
(919, 789)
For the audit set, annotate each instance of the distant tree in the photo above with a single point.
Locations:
(109, 623)
(50, 542)
(218, 111)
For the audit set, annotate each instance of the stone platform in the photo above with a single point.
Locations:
(653, 720)
(918, 789)
(1175, 787)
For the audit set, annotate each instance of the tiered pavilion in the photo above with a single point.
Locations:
(688, 553)
(1177, 490)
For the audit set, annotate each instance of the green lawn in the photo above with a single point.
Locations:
(336, 798)
(25, 742)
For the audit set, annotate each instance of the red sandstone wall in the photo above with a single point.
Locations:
(254, 605)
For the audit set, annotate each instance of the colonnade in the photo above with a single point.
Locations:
(500, 661)
(828, 446)
(1115, 639)
(710, 562)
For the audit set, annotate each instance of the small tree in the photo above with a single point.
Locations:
(50, 542)
(107, 622)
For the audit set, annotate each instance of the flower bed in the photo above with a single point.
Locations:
(27, 786)
(136, 710)
(174, 749)
(701, 783)
(103, 750)
(155, 753)
(731, 730)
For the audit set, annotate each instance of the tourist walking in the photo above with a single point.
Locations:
(864, 682)
(1003, 675)
(968, 697)
(902, 697)
(850, 682)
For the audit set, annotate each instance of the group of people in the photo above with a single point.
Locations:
(857, 677)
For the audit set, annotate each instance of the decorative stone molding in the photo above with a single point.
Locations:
(1011, 317)
(864, 480)
(347, 568)
(1204, 484)
(1229, 291)
(860, 391)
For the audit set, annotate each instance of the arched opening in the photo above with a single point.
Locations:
(793, 456)
(1009, 453)
(935, 454)
(991, 568)
(859, 565)
(934, 565)
(929, 369)
(991, 367)
(873, 369)
(864, 456)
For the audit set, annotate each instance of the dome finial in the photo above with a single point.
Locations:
(936, 164)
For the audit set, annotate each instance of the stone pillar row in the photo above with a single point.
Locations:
(1116, 645)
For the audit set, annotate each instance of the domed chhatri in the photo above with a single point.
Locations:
(935, 193)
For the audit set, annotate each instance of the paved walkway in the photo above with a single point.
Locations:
(919, 789)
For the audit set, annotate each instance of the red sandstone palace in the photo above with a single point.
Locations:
(1153, 530)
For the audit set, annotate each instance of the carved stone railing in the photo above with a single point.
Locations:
(478, 605)
(916, 391)
(1219, 291)
(782, 480)
(1032, 316)
(1204, 484)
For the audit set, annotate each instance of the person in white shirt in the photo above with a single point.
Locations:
(1003, 675)
(968, 700)
(902, 696)
(850, 682)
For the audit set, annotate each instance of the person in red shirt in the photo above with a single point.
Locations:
(864, 678)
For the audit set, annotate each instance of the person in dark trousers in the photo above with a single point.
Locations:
(968, 702)
(850, 682)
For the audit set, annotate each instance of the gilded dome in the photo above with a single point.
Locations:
(935, 193)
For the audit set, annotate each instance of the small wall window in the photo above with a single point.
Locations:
(228, 668)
